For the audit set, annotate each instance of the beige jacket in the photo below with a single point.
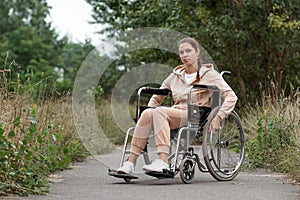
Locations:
(208, 76)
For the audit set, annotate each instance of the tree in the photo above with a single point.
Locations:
(253, 39)
(73, 54)
(28, 39)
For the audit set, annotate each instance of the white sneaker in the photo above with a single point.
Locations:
(127, 168)
(156, 166)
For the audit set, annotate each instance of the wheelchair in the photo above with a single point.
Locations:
(222, 150)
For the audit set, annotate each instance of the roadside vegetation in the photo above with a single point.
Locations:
(273, 133)
(252, 39)
(37, 137)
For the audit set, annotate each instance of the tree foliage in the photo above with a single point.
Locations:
(26, 36)
(29, 42)
(256, 40)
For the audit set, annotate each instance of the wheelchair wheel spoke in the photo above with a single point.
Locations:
(224, 150)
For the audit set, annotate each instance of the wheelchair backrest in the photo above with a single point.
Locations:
(198, 113)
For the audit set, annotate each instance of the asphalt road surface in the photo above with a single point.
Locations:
(89, 180)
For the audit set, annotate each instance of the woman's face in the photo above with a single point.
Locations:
(188, 54)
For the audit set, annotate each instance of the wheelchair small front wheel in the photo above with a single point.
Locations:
(127, 180)
(187, 170)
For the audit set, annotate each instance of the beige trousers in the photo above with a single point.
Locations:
(161, 120)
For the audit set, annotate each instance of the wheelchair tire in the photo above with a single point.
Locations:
(127, 180)
(223, 150)
(187, 170)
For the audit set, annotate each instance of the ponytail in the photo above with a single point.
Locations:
(198, 71)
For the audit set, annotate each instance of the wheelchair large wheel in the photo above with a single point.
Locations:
(187, 170)
(223, 150)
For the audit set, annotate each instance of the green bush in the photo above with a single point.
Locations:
(273, 134)
(37, 137)
(32, 147)
(23, 168)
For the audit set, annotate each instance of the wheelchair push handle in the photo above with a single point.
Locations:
(211, 87)
(225, 73)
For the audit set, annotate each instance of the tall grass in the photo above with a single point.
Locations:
(108, 123)
(273, 131)
(37, 137)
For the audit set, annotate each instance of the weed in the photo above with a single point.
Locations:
(273, 134)
(37, 137)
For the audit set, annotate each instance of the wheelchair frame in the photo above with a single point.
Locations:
(218, 148)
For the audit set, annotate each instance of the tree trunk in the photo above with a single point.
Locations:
(239, 75)
(279, 69)
(237, 53)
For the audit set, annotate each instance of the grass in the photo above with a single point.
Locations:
(273, 133)
(108, 123)
(37, 137)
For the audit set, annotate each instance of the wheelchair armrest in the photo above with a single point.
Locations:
(151, 90)
(207, 87)
(148, 90)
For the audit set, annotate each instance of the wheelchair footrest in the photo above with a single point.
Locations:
(165, 174)
(113, 172)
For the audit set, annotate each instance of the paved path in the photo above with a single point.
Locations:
(89, 181)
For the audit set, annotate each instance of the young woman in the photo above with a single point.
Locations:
(163, 119)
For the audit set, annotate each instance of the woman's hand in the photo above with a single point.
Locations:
(215, 123)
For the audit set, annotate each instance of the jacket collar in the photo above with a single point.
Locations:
(180, 70)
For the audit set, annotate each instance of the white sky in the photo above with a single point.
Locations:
(71, 17)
